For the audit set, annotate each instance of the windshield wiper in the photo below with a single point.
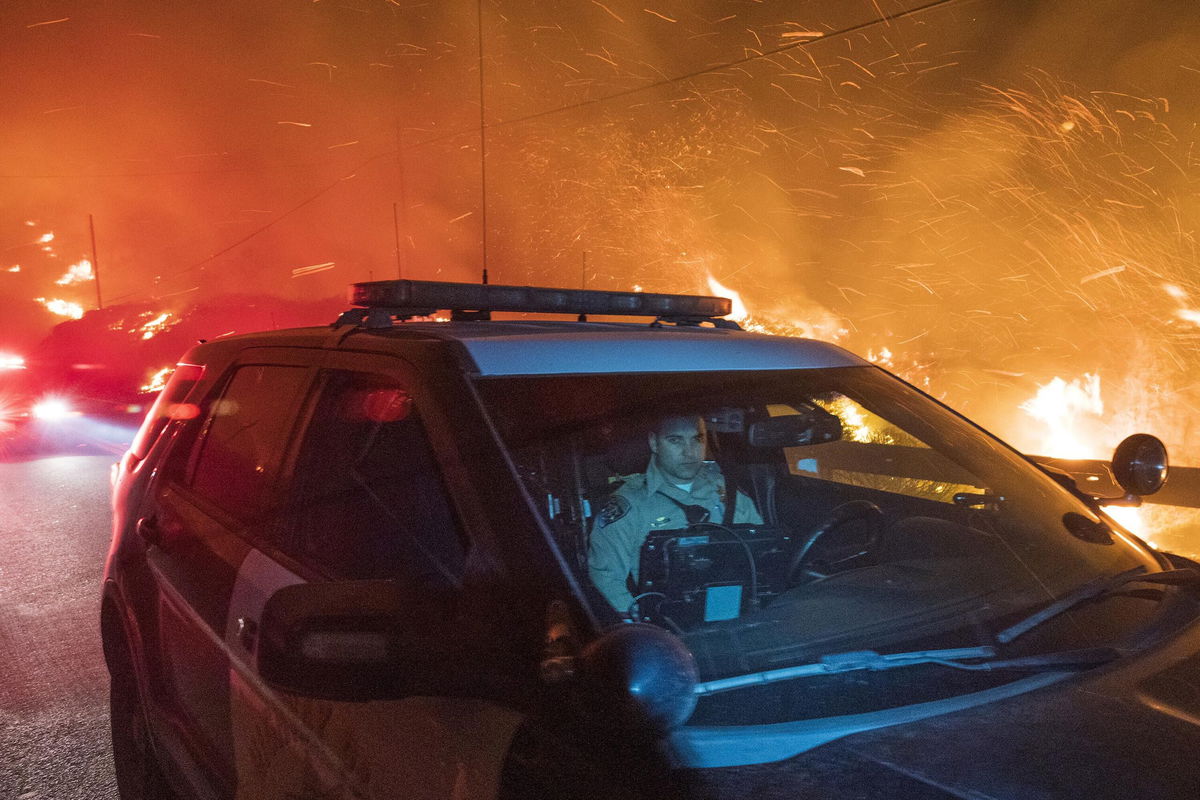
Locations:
(1097, 587)
(956, 658)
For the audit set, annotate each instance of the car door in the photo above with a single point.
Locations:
(217, 488)
(368, 498)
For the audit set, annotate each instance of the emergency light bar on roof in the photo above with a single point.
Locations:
(405, 298)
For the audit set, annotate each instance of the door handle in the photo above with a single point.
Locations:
(247, 633)
(147, 528)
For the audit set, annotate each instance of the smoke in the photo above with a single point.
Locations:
(998, 193)
(994, 210)
(119, 348)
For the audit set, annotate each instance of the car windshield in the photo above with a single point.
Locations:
(773, 518)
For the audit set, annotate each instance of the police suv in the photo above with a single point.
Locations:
(357, 561)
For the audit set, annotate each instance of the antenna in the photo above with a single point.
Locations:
(583, 282)
(402, 206)
(95, 261)
(482, 142)
(396, 225)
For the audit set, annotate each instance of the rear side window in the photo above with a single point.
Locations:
(246, 438)
(368, 498)
(170, 404)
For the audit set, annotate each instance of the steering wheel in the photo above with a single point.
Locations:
(844, 514)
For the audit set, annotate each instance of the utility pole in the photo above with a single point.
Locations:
(95, 261)
(396, 226)
(482, 145)
(401, 209)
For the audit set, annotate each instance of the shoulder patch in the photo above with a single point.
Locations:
(613, 510)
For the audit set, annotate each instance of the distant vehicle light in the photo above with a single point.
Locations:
(53, 409)
(11, 362)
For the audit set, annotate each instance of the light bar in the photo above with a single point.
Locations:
(425, 297)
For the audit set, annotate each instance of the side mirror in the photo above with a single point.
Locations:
(1140, 464)
(350, 641)
(642, 679)
(811, 426)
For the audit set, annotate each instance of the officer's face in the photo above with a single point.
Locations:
(678, 448)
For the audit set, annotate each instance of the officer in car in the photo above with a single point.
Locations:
(678, 488)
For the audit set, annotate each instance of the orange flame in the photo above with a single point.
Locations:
(738, 313)
(1062, 406)
(77, 273)
(157, 325)
(883, 358)
(1183, 312)
(156, 381)
(63, 308)
(1059, 405)
(826, 327)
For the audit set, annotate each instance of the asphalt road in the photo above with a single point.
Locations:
(54, 534)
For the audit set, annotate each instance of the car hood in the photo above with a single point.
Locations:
(1130, 730)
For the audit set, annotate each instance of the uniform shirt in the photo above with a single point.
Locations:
(643, 504)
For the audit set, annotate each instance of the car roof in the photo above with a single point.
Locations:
(547, 347)
(499, 348)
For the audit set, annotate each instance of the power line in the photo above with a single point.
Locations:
(483, 126)
(726, 65)
(887, 18)
(316, 195)
(165, 173)
(482, 145)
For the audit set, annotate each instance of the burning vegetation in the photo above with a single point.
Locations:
(997, 203)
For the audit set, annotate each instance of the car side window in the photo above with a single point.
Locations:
(368, 499)
(246, 438)
(169, 405)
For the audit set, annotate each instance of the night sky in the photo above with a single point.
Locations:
(982, 194)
